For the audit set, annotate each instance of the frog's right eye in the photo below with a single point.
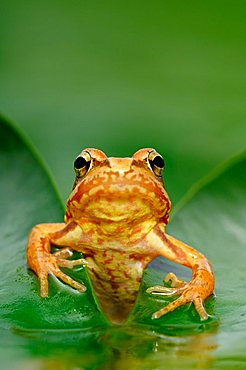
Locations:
(82, 164)
(156, 163)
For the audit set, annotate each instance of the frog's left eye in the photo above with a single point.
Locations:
(156, 163)
(82, 164)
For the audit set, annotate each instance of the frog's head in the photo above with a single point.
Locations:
(118, 189)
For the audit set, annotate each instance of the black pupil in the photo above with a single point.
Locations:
(158, 161)
(79, 163)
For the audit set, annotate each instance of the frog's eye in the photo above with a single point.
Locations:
(82, 164)
(156, 163)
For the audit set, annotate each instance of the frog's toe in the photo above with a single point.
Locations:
(71, 263)
(177, 286)
(188, 296)
(162, 290)
(51, 265)
(170, 307)
(44, 285)
(63, 253)
(198, 303)
(55, 270)
(173, 280)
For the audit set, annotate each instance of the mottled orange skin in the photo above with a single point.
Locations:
(116, 216)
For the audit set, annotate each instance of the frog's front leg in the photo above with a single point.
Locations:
(43, 262)
(198, 289)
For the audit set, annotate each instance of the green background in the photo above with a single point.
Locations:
(120, 76)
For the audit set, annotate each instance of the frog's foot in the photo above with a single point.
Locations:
(183, 299)
(51, 263)
(177, 286)
(189, 293)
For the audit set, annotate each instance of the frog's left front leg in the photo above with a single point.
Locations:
(43, 262)
(198, 289)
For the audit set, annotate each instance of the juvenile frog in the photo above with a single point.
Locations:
(116, 217)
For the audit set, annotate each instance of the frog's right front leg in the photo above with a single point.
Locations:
(43, 262)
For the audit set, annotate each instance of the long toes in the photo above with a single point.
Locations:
(44, 285)
(71, 263)
(175, 281)
(161, 290)
(63, 253)
(68, 280)
(156, 288)
(200, 309)
(170, 307)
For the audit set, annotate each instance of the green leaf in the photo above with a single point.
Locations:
(68, 329)
(28, 198)
(214, 220)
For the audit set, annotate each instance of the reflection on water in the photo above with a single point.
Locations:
(118, 348)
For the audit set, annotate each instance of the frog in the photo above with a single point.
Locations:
(115, 219)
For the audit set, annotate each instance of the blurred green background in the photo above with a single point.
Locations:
(123, 75)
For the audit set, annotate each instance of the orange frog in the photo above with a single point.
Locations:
(116, 216)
